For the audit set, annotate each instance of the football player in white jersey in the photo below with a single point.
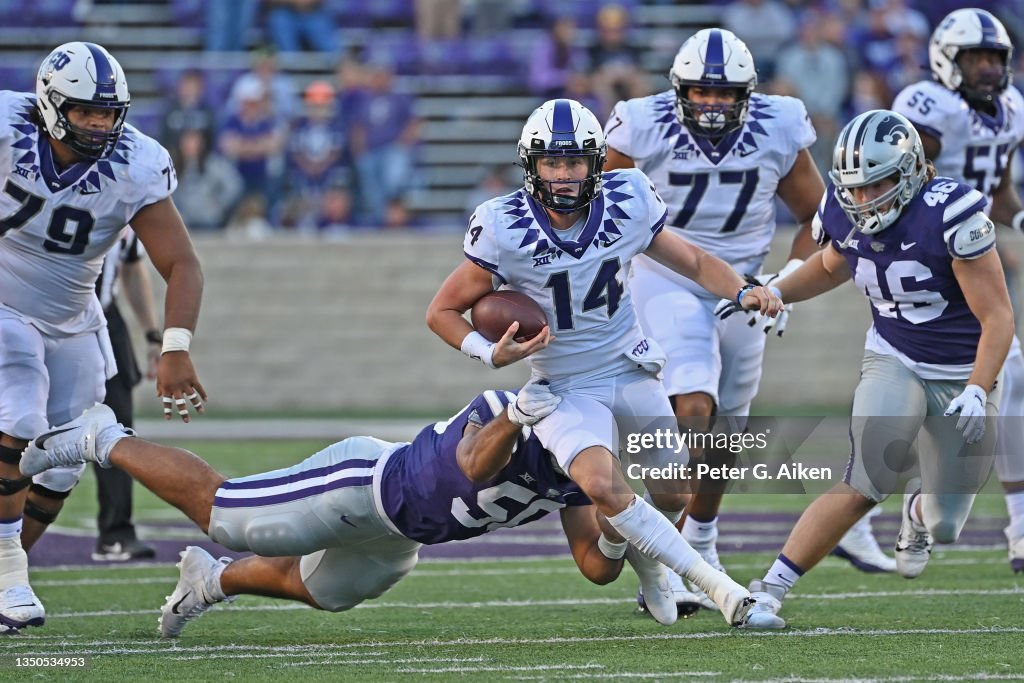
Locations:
(719, 154)
(567, 239)
(72, 175)
(971, 122)
(922, 251)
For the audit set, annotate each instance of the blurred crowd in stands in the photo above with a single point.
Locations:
(341, 152)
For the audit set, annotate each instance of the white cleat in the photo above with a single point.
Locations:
(859, 547)
(914, 544)
(1016, 546)
(697, 598)
(733, 601)
(688, 603)
(69, 444)
(19, 607)
(655, 592)
(764, 615)
(192, 595)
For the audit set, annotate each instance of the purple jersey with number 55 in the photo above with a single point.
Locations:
(906, 271)
(430, 500)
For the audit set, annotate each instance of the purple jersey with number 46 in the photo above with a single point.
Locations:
(906, 271)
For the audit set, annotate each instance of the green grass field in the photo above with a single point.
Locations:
(529, 619)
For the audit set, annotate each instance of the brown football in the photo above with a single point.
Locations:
(494, 312)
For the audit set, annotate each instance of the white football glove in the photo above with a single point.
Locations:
(778, 323)
(533, 403)
(971, 406)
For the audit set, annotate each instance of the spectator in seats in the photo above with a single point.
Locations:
(209, 185)
(188, 110)
(614, 63)
(819, 75)
(911, 58)
(334, 214)
(253, 138)
(874, 42)
(297, 24)
(317, 154)
(280, 87)
(438, 19)
(766, 26)
(490, 17)
(317, 145)
(869, 92)
(384, 135)
(555, 58)
(228, 23)
(350, 78)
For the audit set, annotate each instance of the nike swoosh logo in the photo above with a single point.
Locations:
(41, 440)
(344, 518)
(904, 246)
(29, 604)
(175, 606)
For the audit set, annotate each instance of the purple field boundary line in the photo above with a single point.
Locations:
(538, 539)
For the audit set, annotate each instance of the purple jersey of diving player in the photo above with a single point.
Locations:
(906, 271)
(430, 500)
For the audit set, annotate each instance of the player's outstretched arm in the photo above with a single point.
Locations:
(823, 271)
(711, 273)
(162, 232)
(484, 451)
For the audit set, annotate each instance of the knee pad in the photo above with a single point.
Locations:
(8, 487)
(37, 513)
(281, 534)
(10, 455)
(60, 479)
(45, 492)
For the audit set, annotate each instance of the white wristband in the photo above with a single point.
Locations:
(790, 266)
(1018, 221)
(613, 551)
(474, 346)
(176, 339)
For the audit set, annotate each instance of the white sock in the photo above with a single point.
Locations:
(105, 441)
(1015, 506)
(213, 590)
(654, 536)
(13, 563)
(611, 549)
(700, 533)
(783, 572)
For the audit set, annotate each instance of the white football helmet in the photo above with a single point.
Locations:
(713, 58)
(562, 128)
(81, 74)
(970, 29)
(876, 145)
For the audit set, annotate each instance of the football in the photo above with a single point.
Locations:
(494, 312)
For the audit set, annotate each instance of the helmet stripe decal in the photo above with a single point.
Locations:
(106, 77)
(844, 143)
(562, 128)
(989, 34)
(858, 141)
(714, 59)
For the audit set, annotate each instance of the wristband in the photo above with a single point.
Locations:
(176, 339)
(743, 292)
(478, 348)
(1018, 221)
(790, 266)
(154, 336)
(613, 551)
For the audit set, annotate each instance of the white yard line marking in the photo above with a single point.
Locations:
(157, 645)
(486, 604)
